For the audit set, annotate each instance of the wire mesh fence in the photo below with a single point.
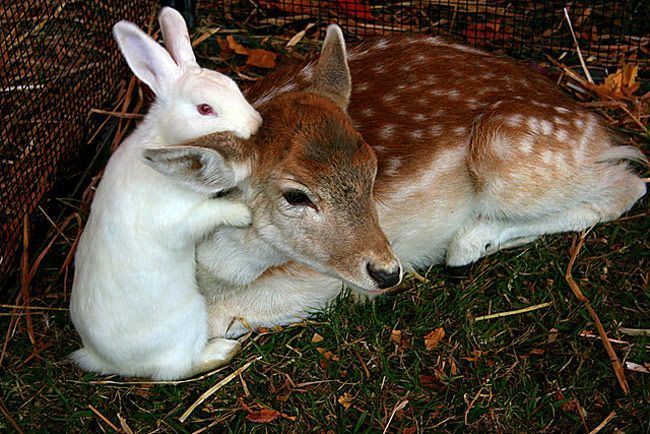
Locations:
(57, 61)
(607, 31)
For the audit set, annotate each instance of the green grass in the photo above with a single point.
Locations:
(511, 374)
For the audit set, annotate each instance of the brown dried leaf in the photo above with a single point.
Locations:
(261, 58)
(236, 46)
(317, 338)
(622, 83)
(476, 354)
(224, 49)
(454, 367)
(264, 415)
(328, 355)
(396, 336)
(345, 400)
(433, 339)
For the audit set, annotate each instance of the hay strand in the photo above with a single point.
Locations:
(616, 363)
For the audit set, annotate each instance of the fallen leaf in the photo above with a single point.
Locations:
(433, 339)
(317, 338)
(454, 367)
(261, 58)
(236, 46)
(476, 354)
(396, 336)
(328, 355)
(409, 430)
(264, 415)
(345, 400)
(622, 83)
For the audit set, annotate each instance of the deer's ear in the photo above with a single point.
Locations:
(332, 76)
(202, 169)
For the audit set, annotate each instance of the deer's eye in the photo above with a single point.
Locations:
(205, 109)
(297, 198)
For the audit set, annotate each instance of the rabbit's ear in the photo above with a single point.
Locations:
(148, 60)
(202, 169)
(176, 37)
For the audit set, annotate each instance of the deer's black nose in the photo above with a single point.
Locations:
(384, 278)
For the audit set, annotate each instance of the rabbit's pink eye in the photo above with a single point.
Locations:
(205, 109)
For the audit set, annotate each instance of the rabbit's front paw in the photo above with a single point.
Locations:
(237, 214)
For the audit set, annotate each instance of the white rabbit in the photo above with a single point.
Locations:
(134, 298)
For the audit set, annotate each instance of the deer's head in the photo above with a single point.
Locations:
(312, 177)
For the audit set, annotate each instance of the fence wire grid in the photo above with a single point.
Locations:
(608, 31)
(57, 61)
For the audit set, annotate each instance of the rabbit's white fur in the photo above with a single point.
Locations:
(134, 298)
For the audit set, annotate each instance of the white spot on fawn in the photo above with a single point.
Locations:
(389, 98)
(473, 104)
(515, 120)
(460, 131)
(367, 112)
(539, 104)
(435, 130)
(561, 109)
(394, 164)
(526, 144)
(378, 68)
(420, 117)
(416, 134)
(533, 124)
(561, 134)
(361, 87)
(547, 156)
(387, 131)
(560, 121)
(501, 146)
(547, 127)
